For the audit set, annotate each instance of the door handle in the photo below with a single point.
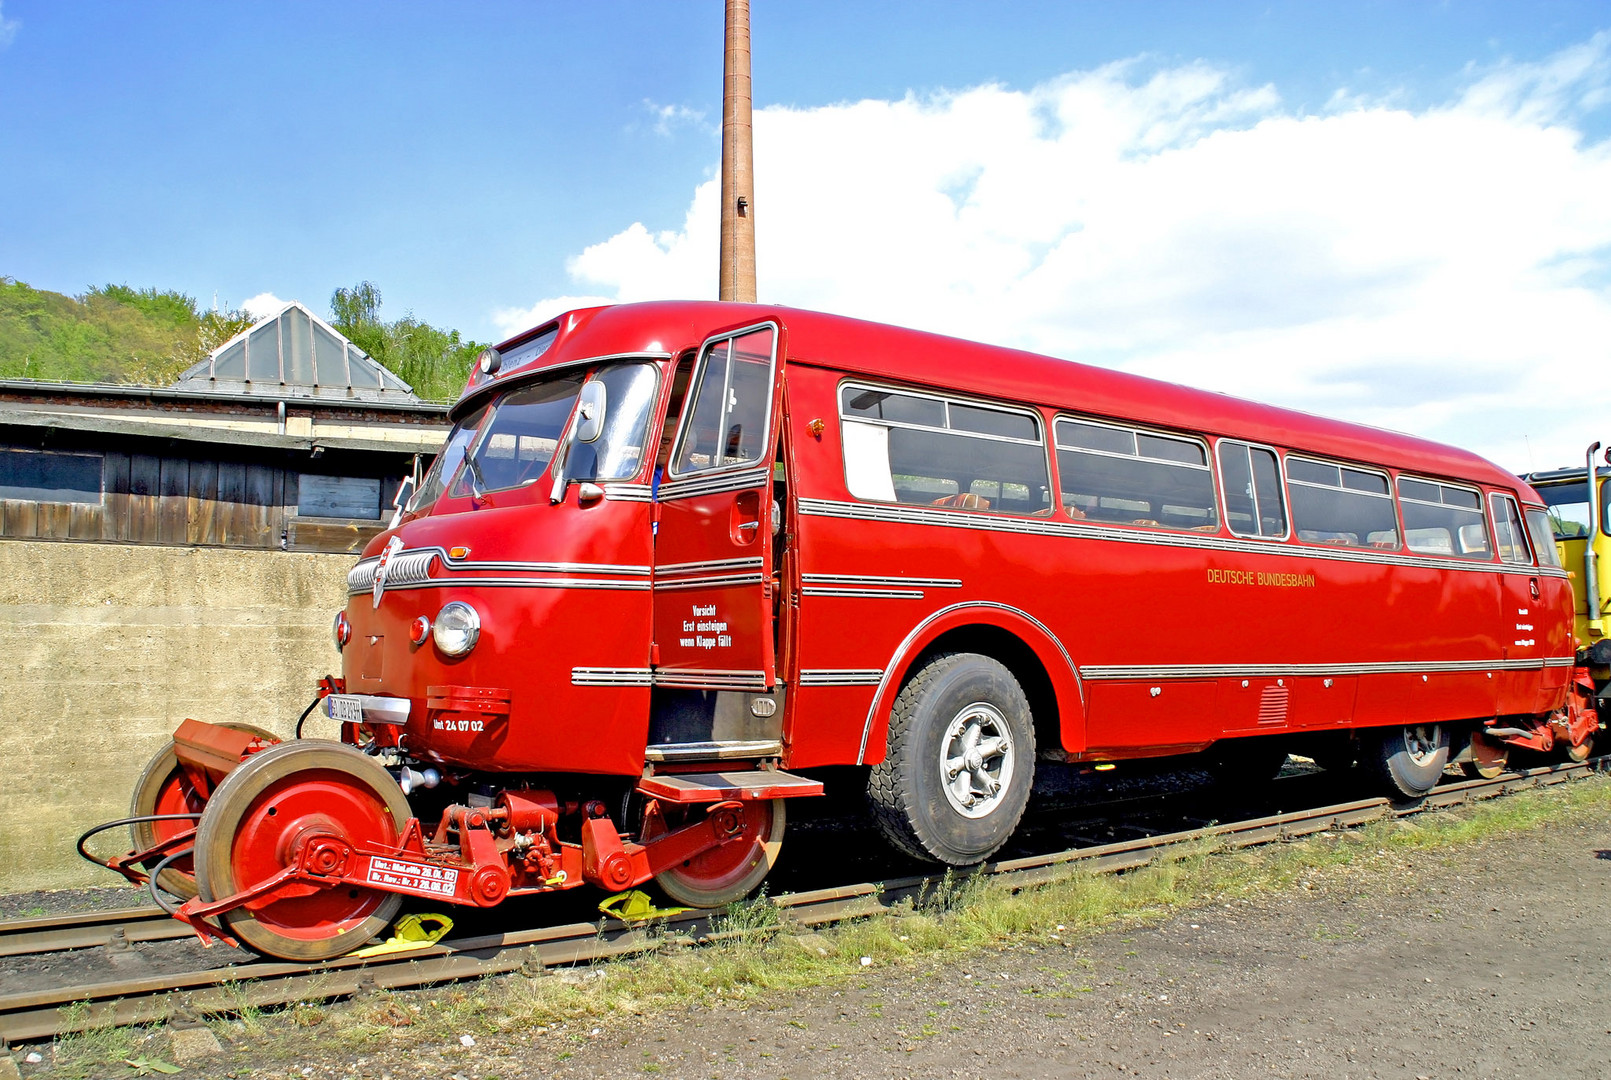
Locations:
(1532, 584)
(746, 522)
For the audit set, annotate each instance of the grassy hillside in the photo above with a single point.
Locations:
(119, 334)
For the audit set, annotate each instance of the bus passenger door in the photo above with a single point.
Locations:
(1524, 685)
(715, 665)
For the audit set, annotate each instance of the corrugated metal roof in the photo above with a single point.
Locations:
(294, 353)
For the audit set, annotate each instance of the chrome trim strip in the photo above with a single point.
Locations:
(519, 583)
(1105, 672)
(628, 492)
(604, 676)
(714, 485)
(842, 677)
(711, 679)
(1560, 661)
(913, 515)
(906, 643)
(873, 580)
(411, 568)
(710, 751)
(748, 563)
(710, 581)
(874, 594)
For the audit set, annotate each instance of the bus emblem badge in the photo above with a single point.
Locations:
(392, 547)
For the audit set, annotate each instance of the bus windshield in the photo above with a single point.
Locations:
(511, 442)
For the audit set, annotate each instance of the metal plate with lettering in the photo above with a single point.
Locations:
(414, 877)
(348, 708)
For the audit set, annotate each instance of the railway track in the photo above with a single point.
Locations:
(42, 1013)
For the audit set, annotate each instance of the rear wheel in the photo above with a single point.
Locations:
(727, 873)
(1407, 761)
(960, 764)
(260, 815)
(165, 788)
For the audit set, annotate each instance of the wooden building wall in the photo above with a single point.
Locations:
(191, 501)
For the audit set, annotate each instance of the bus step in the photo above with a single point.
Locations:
(743, 785)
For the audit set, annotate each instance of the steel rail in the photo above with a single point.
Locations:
(53, 933)
(40, 1014)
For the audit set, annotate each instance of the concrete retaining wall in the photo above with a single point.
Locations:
(104, 649)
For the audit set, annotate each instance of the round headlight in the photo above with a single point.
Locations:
(456, 629)
(341, 630)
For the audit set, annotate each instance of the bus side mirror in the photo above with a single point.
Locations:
(590, 412)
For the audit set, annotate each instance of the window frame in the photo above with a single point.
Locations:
(1375, 470)
(1526, 540)
(691, 398)
(51, 452)
(1281, 473)
(1404, 541)
(1033, 412)
(1141, 429)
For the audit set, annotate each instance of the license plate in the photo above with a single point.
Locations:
(345, 707)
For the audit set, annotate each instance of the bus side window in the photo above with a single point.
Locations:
(1134, 477)
(923, 450)
(732, 403)
(1335, 504)
(1440, 519)
(1508, 530)
(1538, 525)
(680, 378)
(1251, 477)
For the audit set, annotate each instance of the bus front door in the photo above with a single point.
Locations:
(715, 667)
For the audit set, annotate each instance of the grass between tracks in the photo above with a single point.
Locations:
(963, 915)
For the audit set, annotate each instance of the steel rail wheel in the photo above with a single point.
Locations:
(727, 873)
(165, 788)
(1489, 757)
(1583, 750)
(254, 822)
(1407, 761)
(960, 764)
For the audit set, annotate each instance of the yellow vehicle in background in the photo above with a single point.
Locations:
(1581, 523)
(1574, 508)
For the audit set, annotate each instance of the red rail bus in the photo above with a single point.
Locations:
(676, 556)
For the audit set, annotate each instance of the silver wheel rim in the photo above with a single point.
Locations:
(976, 760)
(1423, 742)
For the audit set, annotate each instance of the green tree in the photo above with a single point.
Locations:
(434, 361)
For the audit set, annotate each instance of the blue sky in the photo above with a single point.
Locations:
(483, 162)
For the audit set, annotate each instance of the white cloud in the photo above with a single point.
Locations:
(262, 305)
(8, 27)
(511, 321)
(667, 118)
(1444, 271)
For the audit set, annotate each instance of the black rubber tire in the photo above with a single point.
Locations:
(1238, 763)
(1385, 755)
(907, 790)
(234, 797)
(175, 882)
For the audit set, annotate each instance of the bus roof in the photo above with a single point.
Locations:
(947, 363)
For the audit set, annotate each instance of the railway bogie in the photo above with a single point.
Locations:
(674, 559)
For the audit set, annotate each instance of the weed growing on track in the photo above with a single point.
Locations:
(96, 1050)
